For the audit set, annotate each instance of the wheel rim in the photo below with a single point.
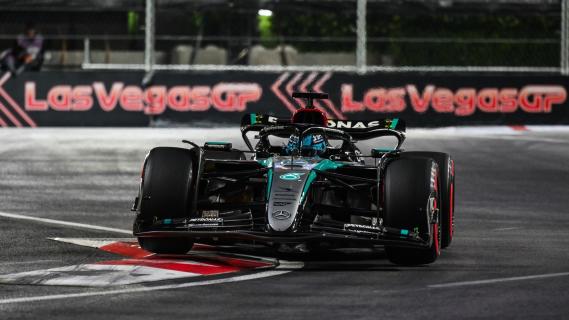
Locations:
(433, 203)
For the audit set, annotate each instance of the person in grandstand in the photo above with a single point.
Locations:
(27, 54)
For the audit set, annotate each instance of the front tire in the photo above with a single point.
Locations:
(411, 201)
(166, 193)
(446, 168)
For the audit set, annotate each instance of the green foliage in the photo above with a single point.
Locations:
(266, 31)
(467, 31)
(477, 40)
(132, 22)
(322, 25)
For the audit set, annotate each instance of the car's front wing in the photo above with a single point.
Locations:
(350, 233)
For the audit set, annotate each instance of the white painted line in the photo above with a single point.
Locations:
(285, 267)
(507, 229)
(498, 280)
(27, 262)
(63, 223)
(523, 138)
(91, 243)
(544, 128)
(94, 275)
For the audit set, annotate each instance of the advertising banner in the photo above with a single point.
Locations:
(97, 98)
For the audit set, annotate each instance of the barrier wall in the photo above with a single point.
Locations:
(89, 98)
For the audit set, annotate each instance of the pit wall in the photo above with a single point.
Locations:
(96, 98)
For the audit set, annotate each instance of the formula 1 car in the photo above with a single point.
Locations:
(311, 192)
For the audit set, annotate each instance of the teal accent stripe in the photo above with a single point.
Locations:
(327, 165)
(253, 117)
(404, 232)
(268, 163)
(216, 143)
(322, 166)
(309, 181)
(167, 221)
(269, 181)
(394, 123)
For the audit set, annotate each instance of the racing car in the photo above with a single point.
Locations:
(319, 188)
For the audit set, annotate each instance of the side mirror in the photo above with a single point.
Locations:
(219, 146)
(379, 152)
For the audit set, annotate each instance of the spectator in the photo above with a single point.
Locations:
(27, 53)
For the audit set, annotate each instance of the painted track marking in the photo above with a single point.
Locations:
(155, 269)
(63, 223)
(140, 267)
(507, 229)
(498, 280)
(27, 262)
(283, 268)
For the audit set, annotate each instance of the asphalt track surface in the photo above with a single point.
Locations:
(509, 258)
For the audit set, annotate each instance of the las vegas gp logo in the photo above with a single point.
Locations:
(225, 97)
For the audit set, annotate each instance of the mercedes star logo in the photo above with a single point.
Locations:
(281, 215)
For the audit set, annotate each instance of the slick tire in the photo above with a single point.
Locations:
(411, 199)
(166, 193)
(446, 168)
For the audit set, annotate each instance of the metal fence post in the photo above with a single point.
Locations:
(361, 50)
(149, 36)
(564, 63)
(86, 51)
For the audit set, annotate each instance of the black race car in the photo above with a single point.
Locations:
(309, 191)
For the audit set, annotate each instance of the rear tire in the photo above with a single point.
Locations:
(166, 193)
(410, 201)
(446, 168)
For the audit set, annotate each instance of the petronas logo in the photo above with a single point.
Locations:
(291, 176)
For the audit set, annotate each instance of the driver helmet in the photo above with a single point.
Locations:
(313, 144)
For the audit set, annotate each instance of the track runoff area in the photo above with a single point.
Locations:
(67, 246)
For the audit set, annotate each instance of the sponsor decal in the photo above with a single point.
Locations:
(225, 97)
(296, 162)
(205, 222)
(234, 97)
(93, 98)
(352, 124)
(281, 203)
(281, 215)
(262, 118)
(339, 124)
(210, 214)
(360, 228)
(291, 176)
(461, 102)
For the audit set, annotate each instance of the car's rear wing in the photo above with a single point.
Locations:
(357, 129)
(256, 122)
